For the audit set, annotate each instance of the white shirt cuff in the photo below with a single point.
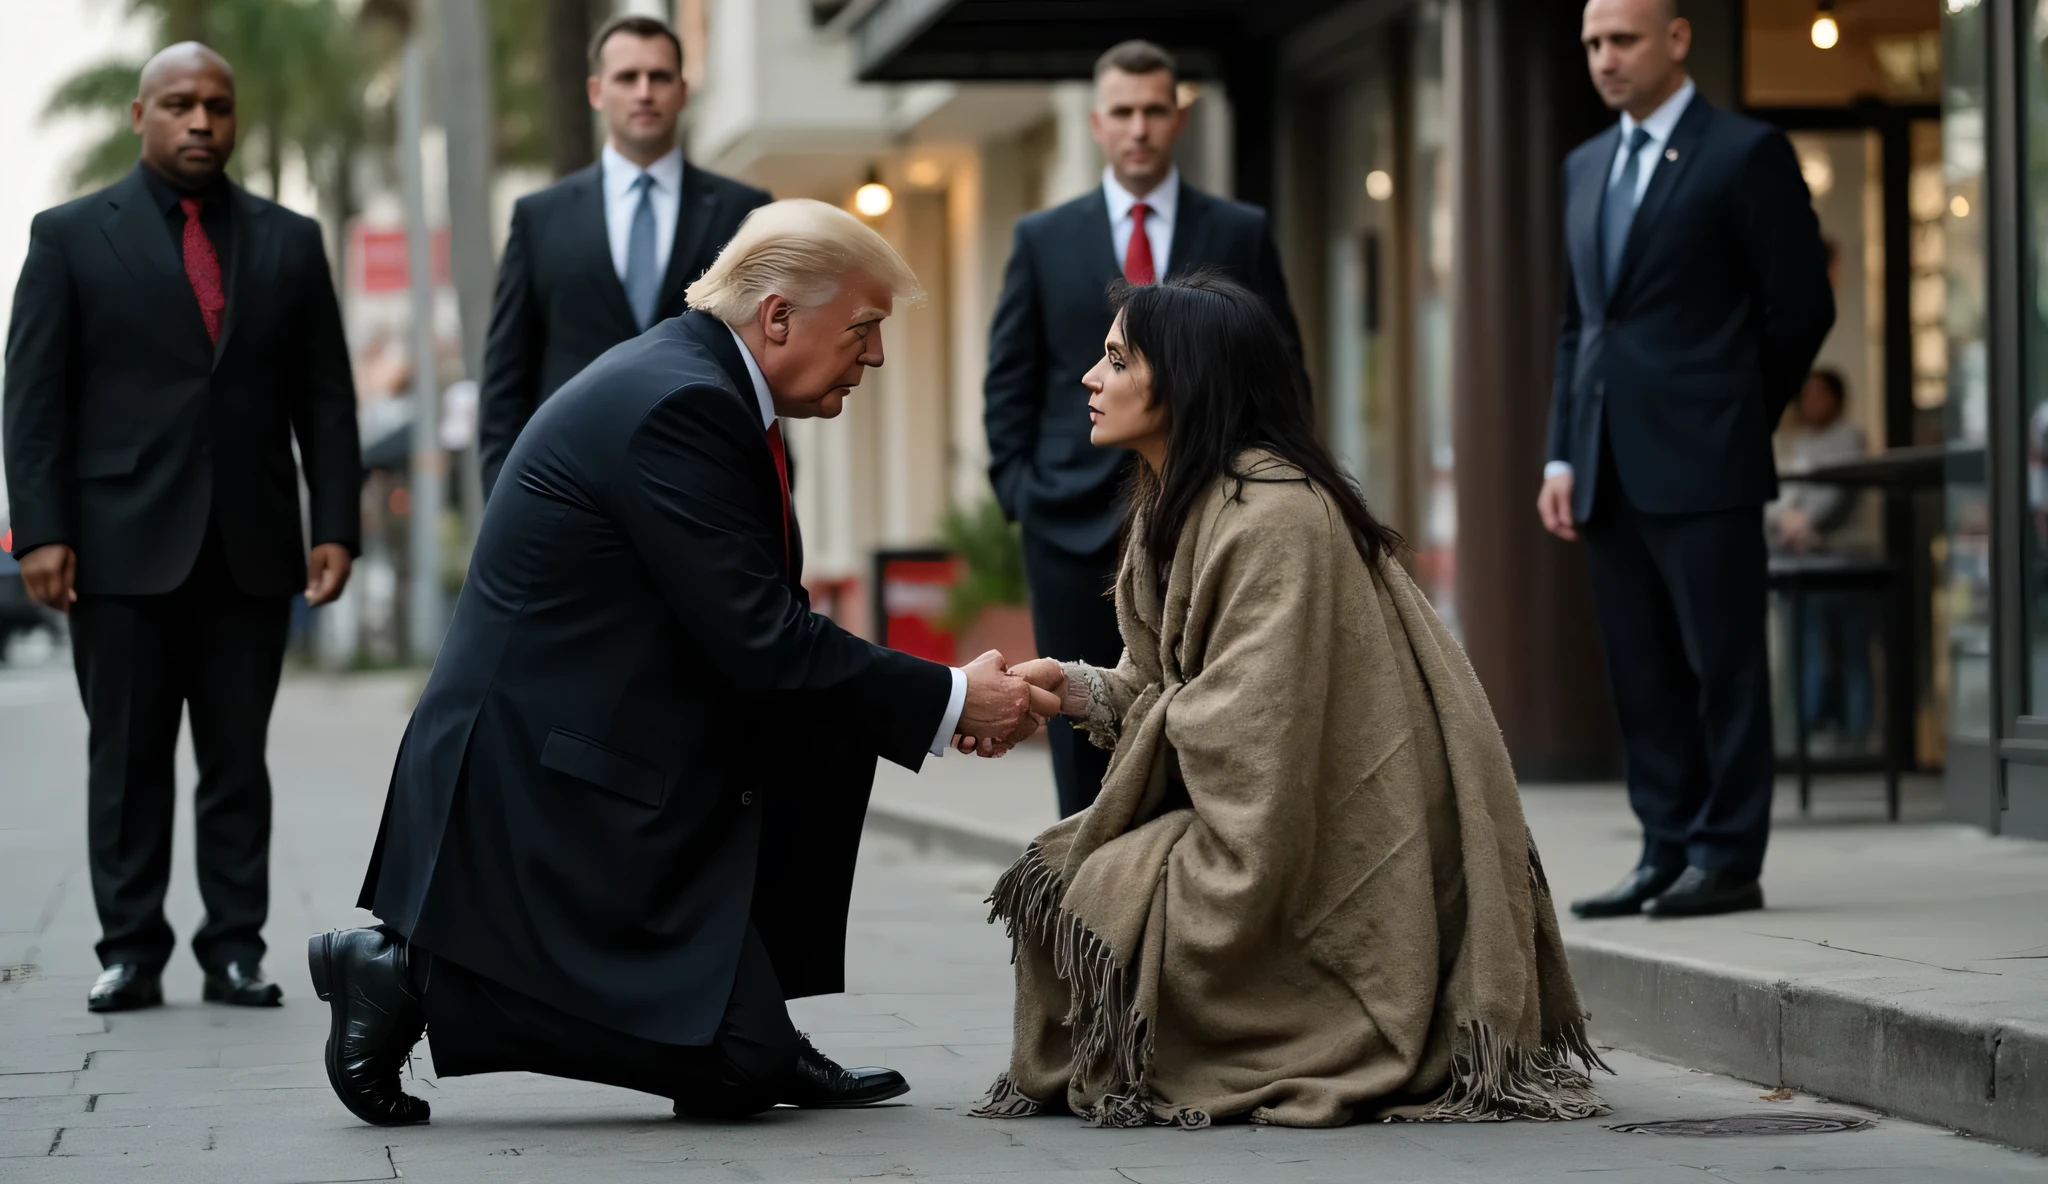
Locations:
(951, 720)
(1557, 468)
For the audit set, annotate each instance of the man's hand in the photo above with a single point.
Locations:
(327, 571)
(1554, 505)
(50, 573)
(1001, 709)
(1047, 674)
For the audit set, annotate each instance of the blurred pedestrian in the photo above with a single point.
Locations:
(1810, 518)
(172, 335)
(1143, 223)
(1698, 297)
(602, 254)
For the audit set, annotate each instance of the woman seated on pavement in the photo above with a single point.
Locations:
(1306, 894)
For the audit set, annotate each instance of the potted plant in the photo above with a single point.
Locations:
(988, 607)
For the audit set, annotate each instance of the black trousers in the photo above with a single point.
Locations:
(142, 661)
(475, 1025)
(1681, 604)
(1073, 618)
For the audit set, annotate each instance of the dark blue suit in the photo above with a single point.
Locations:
(559, 304)
(1067, 493)
(1667, 389)
(599, 789)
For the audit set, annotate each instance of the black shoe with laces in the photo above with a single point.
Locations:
(377, 1018)
(817, 1082)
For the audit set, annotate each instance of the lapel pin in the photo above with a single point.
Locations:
(1671, 154)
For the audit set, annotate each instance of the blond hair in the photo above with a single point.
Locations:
(800, 250)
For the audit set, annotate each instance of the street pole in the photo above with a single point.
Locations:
(468, 117)
(426, 616)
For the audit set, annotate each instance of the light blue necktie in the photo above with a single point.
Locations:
(1618, 213)
(643, 278)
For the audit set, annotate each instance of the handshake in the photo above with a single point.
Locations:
(1006, 704)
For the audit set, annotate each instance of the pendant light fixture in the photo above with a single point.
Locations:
(1827, 32)
(873, 199)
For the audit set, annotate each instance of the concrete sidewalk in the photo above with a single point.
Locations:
(193, 1092)
(1903, 967)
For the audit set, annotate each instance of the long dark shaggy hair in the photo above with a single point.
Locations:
(1221, 368)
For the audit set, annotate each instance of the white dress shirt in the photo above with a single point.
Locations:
(1660, 124)
(1161, 202)
(621, 199)
(958, 702)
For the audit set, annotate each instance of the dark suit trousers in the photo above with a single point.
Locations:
(475, 1025)
(142, 661)
(1681, 604)
(1073, 618)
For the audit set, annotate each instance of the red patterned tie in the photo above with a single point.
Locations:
(1138, 256)
(202, 268)
(781, 454)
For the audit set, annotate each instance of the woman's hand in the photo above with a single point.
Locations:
(1047, 674)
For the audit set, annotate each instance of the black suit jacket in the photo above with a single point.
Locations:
(1720, 305)
(126, 428)
(636, 717)
(560, 304)
(1048, 331)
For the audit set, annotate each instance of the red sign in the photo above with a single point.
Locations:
(378, 259)
(913, 603)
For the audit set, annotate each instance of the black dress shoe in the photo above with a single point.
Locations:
(124, 986)
(1700, 893)
(819, 1083)
(1626, 898)
(242, 986)
(376, 1020)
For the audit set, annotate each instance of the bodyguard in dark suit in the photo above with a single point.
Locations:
(1698, 298)
(602, 254)
(171, 335)
(1142, 224)
(622, 825)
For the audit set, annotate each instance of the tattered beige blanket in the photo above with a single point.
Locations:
(1306, 893)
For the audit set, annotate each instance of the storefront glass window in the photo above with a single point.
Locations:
(1434, 532)
(2034, 316)
(1963, 667)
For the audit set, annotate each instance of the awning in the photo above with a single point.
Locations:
(1040, 40)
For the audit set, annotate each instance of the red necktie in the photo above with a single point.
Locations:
(1138, 256)
(202, 268)
(781, 455)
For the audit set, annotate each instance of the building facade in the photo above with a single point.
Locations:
(1410, 152)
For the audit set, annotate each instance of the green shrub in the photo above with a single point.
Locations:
(993, 560)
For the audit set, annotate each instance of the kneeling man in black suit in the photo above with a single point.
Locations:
(622, 827)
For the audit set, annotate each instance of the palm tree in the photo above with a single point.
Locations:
(570, 24)
(302, 67)
(298, 74)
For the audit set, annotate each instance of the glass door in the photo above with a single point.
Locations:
(2019, 468)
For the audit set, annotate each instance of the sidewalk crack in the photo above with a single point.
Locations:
(1868, 954)
(56, 1141)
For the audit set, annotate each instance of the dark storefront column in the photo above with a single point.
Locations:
(1523, 100)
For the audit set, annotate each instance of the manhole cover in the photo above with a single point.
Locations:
(1748, 1124)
